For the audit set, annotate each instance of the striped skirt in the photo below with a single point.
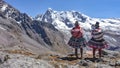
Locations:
(77, 42)
(98, 44)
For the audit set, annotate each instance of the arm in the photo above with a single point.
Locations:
(72, 31)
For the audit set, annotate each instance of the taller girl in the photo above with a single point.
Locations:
(77, 40)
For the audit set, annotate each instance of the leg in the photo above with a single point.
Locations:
(81, 51)
(94, 50)
(76, 52)
(100, 52)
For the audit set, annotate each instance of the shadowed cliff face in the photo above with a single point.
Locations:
(52, 37)
(15, 38)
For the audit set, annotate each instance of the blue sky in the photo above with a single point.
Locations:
(92, 8)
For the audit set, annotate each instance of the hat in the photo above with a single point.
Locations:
(76, 23)
(97, 25)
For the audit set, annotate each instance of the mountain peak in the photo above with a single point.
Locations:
(50, 10)
(7, 9)
(3, 6)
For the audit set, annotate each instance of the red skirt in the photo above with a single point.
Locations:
(97, 44)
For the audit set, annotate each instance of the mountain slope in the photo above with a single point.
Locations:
(35, 34)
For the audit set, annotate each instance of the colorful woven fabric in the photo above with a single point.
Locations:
(97, 40)
(77, 42)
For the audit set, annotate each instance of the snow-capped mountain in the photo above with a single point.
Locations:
(64, 21)
(10, 11)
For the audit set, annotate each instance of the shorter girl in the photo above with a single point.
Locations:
(97, 41)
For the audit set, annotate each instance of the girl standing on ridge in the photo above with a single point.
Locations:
(77, 40)
(97, 41)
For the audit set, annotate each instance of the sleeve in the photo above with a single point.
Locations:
(81, 32)
(92, 33)
(72, 31)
